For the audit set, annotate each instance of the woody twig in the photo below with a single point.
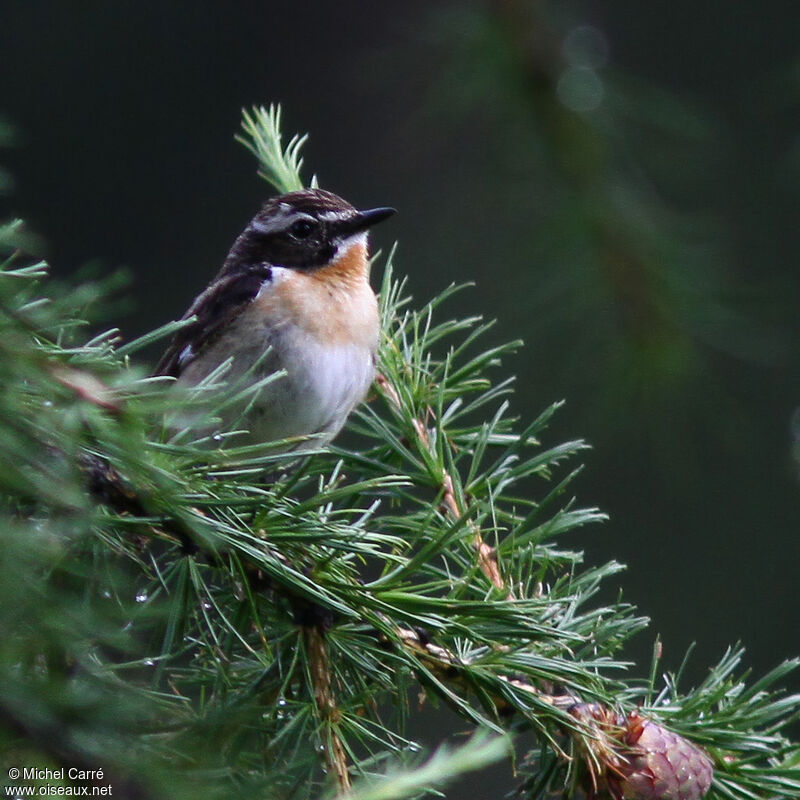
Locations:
(319, 664)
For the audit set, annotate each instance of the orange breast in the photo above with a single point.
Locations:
(333, 304)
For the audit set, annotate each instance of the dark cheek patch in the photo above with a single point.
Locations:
(325, 254)
(282, 249)
(309, 254)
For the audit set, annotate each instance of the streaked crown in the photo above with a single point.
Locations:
(304, 230)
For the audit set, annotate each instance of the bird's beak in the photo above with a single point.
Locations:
(366, 219)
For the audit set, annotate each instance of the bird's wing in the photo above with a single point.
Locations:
(213, 310)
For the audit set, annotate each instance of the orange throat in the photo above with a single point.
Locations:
(349, 269)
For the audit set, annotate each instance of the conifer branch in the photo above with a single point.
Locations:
(487, 556)
(261, 135)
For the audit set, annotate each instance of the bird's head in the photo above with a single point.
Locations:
(304, 230)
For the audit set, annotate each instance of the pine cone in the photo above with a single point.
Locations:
(662, 765)
(635, 758)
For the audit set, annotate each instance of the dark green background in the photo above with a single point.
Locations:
(125, 113)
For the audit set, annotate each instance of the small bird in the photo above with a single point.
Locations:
(293, 294)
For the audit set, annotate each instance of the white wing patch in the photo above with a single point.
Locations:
(186, 355)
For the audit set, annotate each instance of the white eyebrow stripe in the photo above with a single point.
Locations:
(336, 216)
(279, 221)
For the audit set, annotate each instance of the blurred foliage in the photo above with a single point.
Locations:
(599, 208)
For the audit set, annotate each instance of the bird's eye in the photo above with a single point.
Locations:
(301, 229)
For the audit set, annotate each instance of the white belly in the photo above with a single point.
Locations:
(320, 389)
